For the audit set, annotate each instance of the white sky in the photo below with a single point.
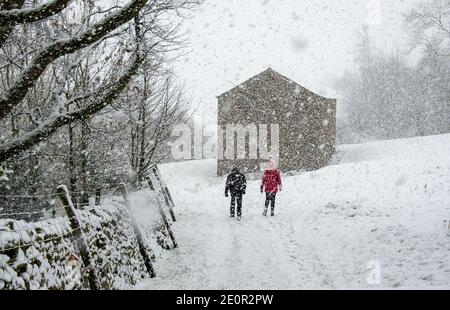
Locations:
(310, 41)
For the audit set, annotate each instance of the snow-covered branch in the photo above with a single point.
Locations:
(29, 15)
(47, 55)
(58, 119)
(7, 27)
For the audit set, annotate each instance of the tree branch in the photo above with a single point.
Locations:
(57, 120)
(21, 16)
(63, 47)
(5, 26)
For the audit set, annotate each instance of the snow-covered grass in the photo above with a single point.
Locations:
(385, 202)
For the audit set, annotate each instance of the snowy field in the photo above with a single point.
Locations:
(385, 203)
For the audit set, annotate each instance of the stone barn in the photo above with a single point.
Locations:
(274, 117)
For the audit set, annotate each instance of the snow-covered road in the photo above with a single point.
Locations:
(384, 204)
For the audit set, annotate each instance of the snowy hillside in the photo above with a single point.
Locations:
(385, 203)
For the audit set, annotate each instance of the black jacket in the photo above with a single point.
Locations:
(236, 182)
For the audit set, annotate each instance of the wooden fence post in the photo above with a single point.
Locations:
(167, 196)
(166, 189)
(98, 194)
(147, 261)
(64, 196)
(84, 201)
(161, 212)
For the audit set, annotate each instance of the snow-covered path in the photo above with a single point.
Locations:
(217, 251)
(332, 226)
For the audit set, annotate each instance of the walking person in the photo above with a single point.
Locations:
(236, 185)
(271, 182)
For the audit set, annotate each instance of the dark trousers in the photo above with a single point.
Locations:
(270, 198)
(236, 198)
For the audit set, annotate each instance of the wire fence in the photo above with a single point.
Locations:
(83, 243)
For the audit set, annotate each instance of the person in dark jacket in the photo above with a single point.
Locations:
(236, 185)
(270, 183)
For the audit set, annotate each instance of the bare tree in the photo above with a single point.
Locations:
(430, 26)
(158, 104)
(24, 69)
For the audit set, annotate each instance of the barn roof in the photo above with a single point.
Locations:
(263, 73)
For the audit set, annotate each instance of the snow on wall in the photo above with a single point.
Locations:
(36, 256)
(41, 255)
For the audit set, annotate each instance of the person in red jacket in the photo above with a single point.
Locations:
(271, 182)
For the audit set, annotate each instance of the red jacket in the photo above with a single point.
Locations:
(270, 181)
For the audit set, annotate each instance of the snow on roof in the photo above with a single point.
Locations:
(272, 72)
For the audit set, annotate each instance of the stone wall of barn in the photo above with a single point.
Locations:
(307, 122)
